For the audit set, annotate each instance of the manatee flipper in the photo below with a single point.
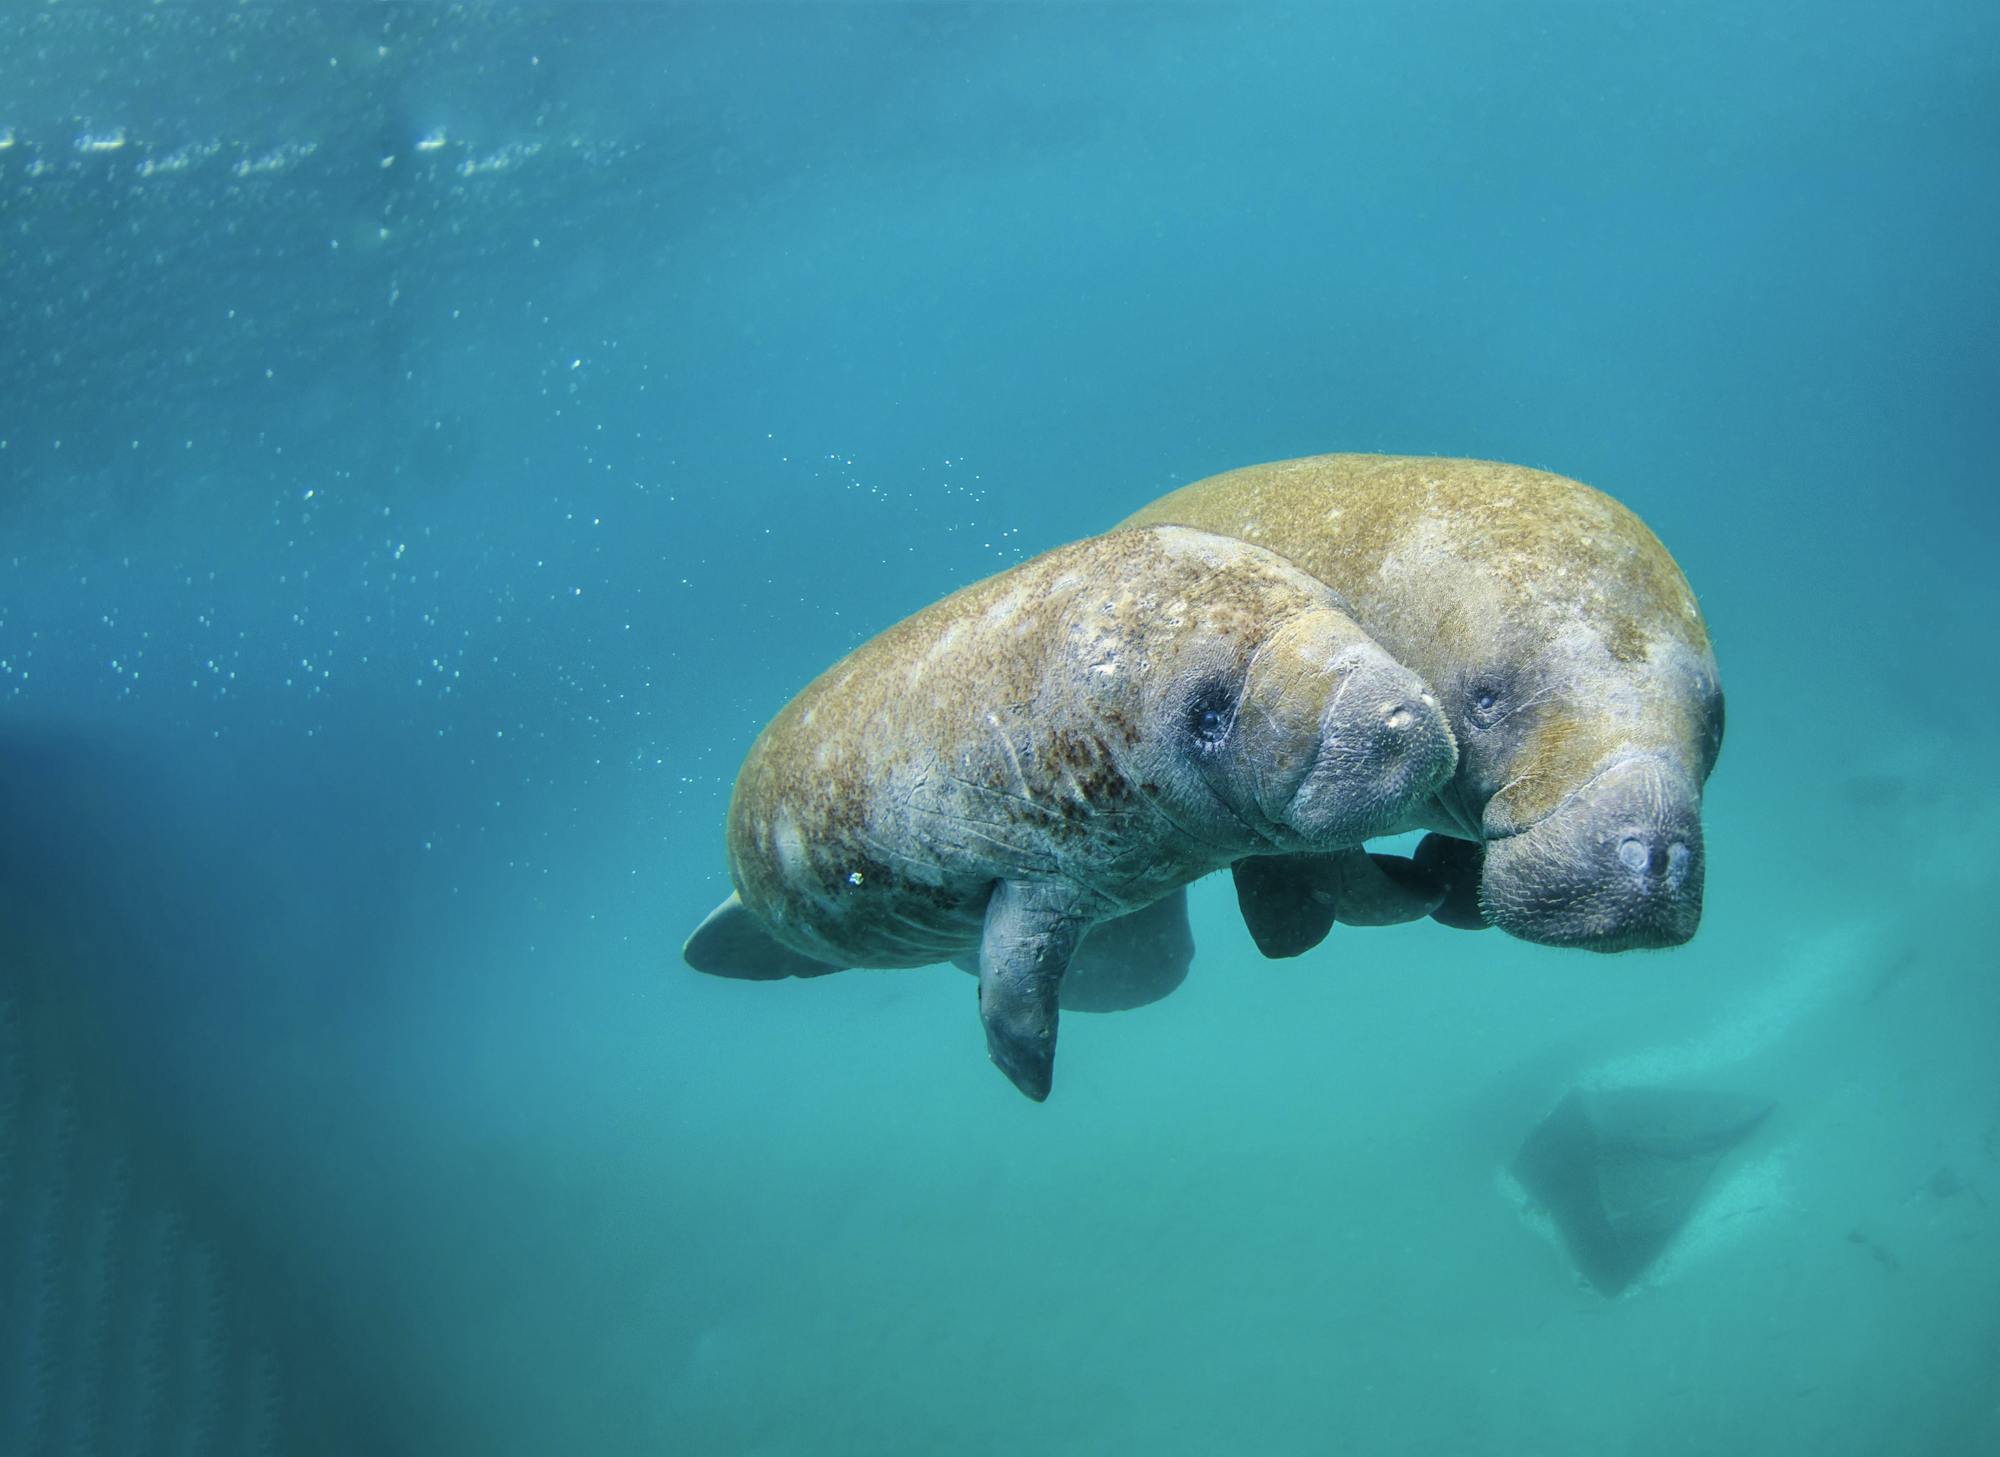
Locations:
(731, 942)
(1455, 864)
(1032, 929)
(1384, 890)
(1288, 901)
(1128, 961)
(1131, 960)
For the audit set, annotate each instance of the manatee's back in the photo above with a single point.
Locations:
(873, 815)
(1432, 552)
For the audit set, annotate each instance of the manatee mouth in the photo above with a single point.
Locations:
(1385, 746)
(1617, 866)
(1451, 799)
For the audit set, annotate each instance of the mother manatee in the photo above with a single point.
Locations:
(1570, 657)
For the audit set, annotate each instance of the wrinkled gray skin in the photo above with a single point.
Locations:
(1064, 743)
(1570, 655)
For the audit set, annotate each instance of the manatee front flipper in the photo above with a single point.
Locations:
(1455, 864)
(1132, 959)
(732, 942)
(1288, 901)
(1128, 961)
(1032, 929)
(1385, 890)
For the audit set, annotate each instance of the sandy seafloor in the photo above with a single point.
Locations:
(433, 440)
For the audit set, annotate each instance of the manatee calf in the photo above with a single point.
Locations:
(1065, 742)
(1568, 651)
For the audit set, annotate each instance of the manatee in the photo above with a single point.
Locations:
(1063, 743)
(1571, 658)
(1620, 1170)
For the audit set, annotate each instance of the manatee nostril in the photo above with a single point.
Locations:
(1398, 717)
(1655, 862)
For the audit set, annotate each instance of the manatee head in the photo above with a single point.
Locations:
(1281, 720)
(1332, 738)
(1582, 761)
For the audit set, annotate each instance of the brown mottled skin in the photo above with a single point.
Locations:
(1563, 642)
(1034, 727)
(1069, 741)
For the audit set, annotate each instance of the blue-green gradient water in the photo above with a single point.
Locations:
(433, 440)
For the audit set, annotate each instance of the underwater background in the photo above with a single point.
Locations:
(434, 439)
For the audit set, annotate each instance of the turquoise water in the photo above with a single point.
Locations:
(434, 440)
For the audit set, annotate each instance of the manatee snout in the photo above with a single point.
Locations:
(1616, 867)
(1384, 747)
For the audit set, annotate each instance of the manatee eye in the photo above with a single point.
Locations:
(1211, 710)
(1485, 702)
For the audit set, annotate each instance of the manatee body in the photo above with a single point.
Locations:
(1567, 650)
(1066, 742)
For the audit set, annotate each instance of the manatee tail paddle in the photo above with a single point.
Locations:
(733, 943)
